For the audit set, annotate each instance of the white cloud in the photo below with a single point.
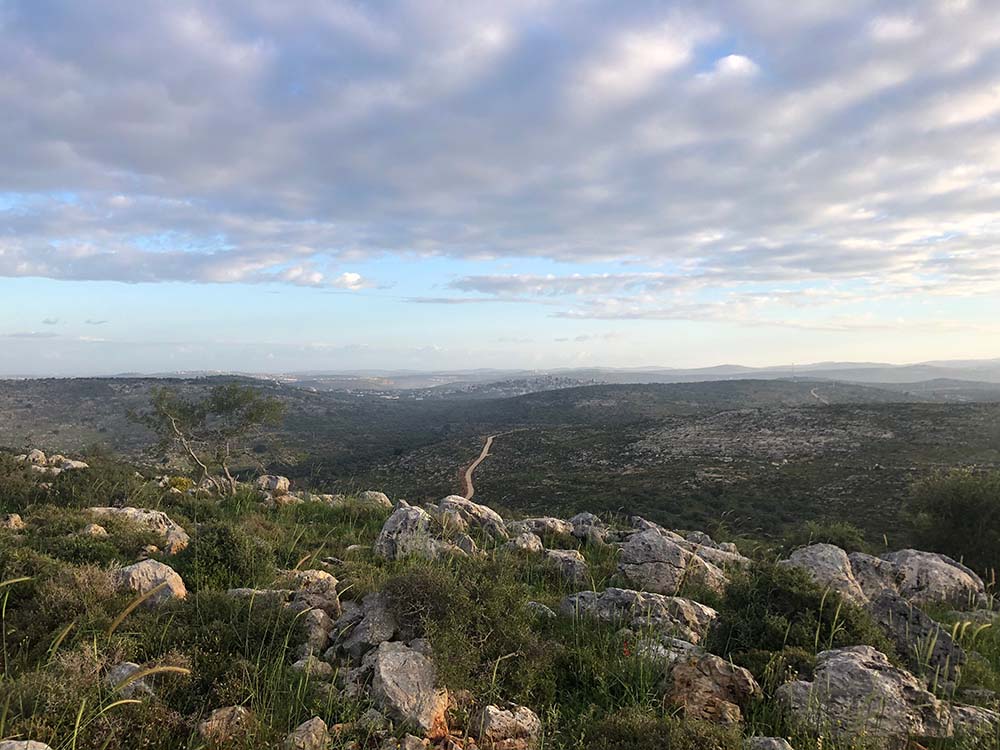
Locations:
(246, 142)
(894, 29)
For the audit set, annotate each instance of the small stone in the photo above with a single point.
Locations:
(11, 522)
(225, 725)
(309, 735)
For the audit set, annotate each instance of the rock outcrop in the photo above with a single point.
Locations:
(922, 578)
(917, 636)
(709, 688)
(363, 627)
(654, 560)
(175, 538)
(143, 577)
(856, 692)
(640, 610)
(830, 567)
(540, 526)
(409, 531)
(374, 499)
(570, 564)
(516, 728)
(404, 684)
(273, 484)
(455, 512)
(11, 522)
(309, 735)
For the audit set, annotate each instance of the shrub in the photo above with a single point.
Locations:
(773, 607)
(475, 616)
(641, 731)
(959, 514)
(844, 535)
(222, 556)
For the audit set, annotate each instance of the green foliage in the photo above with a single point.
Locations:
(845, 535)
(773, 607)
(959, 514)
(222, 556)
(642, 731)
(214, 431)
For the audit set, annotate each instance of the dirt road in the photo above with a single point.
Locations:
(469, 490)
(819, 398)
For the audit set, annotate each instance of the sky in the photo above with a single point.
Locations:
(428, 184)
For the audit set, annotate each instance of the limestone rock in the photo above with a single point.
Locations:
(670, 615)
(314, 667)
(710, 688)
(366, 628)
(224, 725)
(526, 542)
(856, 691)
(175, 538)
(94, 530)
(408, 531)
(540, 610)
(314, 589)
(120, 673)
(873, 574)
(975, 722)
(273, 484)
(11, 522)
(23, 745)
(374, 499)
(404, 684)
(928, 578)
(570, 563)
(766, 743)
(144, 576)
(517, 728)
(309, 735)
(830, 567)
(658, 563)
(917, 635)
(36, 457)
(589, 528)
(317, 625)
(458, 513)
(539, 526)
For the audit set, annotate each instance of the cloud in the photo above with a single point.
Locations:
(729, 147)
(93, 322)
(30, 335)
(50, 321)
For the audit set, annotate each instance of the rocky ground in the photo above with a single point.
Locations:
(144, 611)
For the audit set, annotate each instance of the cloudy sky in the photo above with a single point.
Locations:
(252, 185)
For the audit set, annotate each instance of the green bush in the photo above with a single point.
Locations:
(844, 535)
(475, 616)
(222, 556)
(774, 607)
(959, 514)
(642, 731)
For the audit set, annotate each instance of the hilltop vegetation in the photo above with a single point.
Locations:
(289, 610)
(735, 457)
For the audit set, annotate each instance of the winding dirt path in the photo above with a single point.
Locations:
(469, 490)
(819, 398)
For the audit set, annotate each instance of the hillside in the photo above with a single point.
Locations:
(757, 455)
(142, 612)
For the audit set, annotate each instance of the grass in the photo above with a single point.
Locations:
(62, 626)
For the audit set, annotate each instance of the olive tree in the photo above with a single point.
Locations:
(213, 432)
